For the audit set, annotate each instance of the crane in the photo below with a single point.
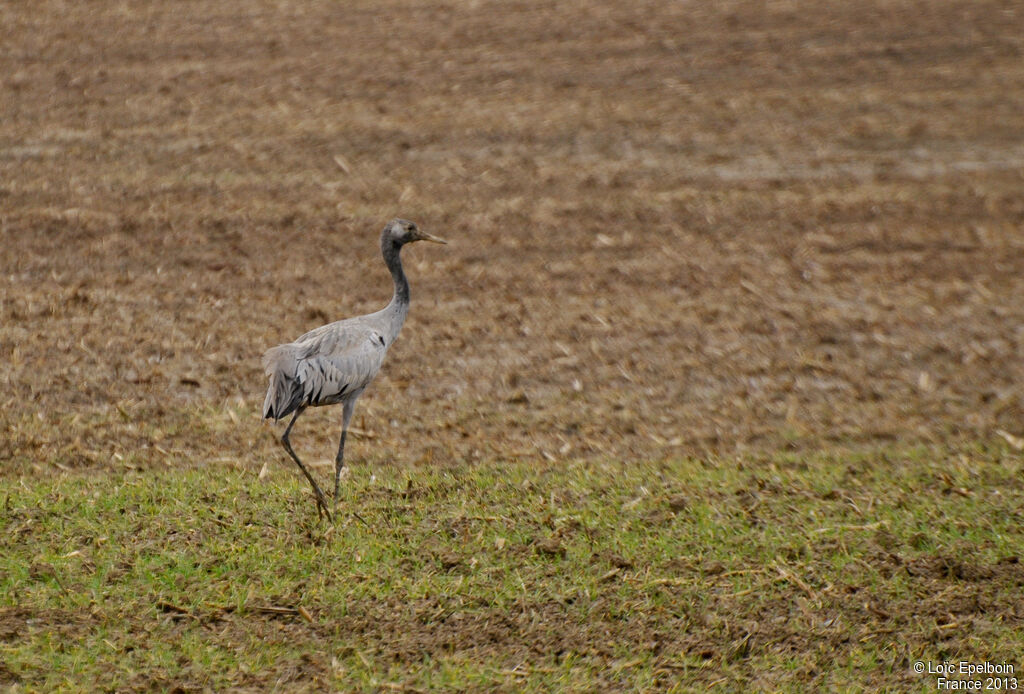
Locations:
(336, 362)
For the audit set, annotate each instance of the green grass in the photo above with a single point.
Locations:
(835, 571)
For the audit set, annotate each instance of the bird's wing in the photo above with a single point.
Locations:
(349, 330)
(336, 363)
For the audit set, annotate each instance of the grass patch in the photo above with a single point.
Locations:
(838, 571)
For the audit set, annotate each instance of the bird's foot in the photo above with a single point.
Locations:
(321, 506)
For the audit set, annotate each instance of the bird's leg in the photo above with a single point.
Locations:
(321, 502)
(339, 461)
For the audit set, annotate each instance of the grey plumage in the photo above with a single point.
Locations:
(334, 363)
(323, 367)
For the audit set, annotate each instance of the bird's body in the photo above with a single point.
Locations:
(329, 365)
(334, 363)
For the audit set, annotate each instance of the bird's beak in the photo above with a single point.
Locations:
(424, 236)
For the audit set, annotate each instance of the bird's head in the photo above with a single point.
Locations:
(401, 231)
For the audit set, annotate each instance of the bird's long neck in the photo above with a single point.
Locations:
(399, 305)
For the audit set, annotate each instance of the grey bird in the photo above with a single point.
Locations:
(336, 362)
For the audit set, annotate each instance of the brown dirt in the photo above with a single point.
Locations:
(675, 228)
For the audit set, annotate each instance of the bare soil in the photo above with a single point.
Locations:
(675, 227)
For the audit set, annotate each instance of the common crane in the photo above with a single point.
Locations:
(336, 362)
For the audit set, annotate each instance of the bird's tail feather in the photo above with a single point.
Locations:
(285, 392)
